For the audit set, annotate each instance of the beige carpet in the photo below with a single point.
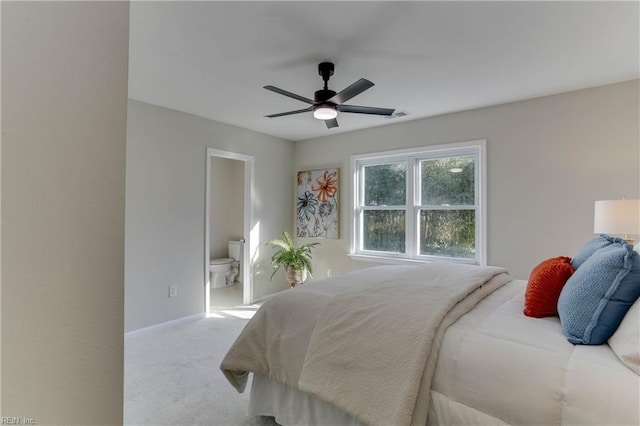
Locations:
(172, 375)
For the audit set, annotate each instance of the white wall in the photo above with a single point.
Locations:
(64, 100)
(549, 159)
(165, 211)
(237, 201)
(227, 204)
(0, 216)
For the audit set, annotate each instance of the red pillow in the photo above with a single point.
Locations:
(544, 287)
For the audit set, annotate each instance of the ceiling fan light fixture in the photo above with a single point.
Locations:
(325, 112)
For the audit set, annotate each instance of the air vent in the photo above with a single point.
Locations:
(398, 114)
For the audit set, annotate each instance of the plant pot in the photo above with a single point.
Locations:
(296, 276)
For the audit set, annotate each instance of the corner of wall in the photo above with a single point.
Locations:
(0, 215)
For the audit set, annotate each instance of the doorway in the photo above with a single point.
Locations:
(228, 217)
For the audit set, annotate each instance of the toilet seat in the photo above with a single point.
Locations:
(222, 261)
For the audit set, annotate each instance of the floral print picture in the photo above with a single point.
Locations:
(317, 206)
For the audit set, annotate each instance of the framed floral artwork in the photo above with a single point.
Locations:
(317, 203)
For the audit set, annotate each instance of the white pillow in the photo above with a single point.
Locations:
(625, 342)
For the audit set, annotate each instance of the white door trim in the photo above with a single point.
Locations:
(247, 284)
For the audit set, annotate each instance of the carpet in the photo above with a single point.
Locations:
(172, 375)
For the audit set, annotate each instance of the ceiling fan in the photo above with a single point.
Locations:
(327, 103)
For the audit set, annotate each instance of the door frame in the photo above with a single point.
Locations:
(247, 282)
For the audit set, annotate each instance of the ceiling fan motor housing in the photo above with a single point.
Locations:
(323, 95)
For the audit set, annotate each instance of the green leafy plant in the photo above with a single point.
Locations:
(289, 255)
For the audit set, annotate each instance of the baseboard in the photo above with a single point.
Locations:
(165, 325)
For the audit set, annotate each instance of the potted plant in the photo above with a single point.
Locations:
(296, 260)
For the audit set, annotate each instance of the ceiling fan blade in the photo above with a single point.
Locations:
(351, 91)
(289, 94)
(298, 111)
(365, 110)
(331, 123)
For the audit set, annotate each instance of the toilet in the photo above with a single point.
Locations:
(226, 271)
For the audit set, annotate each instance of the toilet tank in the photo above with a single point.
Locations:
(235, 249)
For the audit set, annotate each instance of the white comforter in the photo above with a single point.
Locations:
(367, 343)
(497, 366)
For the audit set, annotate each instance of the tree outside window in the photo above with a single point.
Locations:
(447, 213)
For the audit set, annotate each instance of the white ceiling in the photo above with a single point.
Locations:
(212, 59)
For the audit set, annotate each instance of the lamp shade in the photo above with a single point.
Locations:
(617, 217)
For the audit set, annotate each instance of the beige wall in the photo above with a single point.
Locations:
(236, 209)
(549, 159)
(227, 204)
(165, 211)
(0, 215)
(64, 100)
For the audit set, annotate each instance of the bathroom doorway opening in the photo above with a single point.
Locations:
(228, 217)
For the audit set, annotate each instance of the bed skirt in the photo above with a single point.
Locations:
(292, 407)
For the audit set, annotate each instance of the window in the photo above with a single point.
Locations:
(420, 204)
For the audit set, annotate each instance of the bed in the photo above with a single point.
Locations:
(455, 348)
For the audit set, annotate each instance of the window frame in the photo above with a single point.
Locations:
(412, 207)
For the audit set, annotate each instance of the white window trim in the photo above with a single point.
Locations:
(475, 147)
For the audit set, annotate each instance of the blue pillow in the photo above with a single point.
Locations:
(591, 247)
(595, 299)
